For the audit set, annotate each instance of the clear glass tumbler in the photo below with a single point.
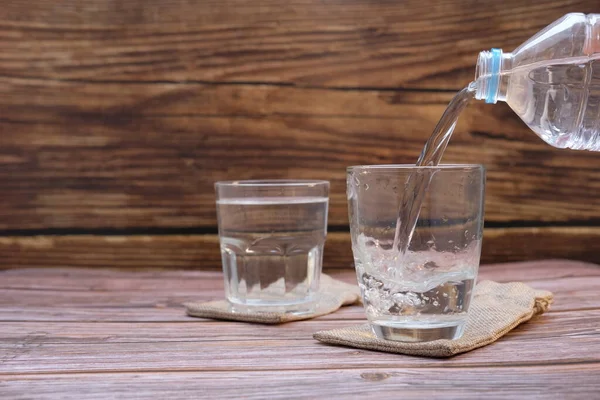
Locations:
(272, 234)
(421, 294)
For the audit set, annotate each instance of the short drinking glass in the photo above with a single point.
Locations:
(272, 234)
(421, 293)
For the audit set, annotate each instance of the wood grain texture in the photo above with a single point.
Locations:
(575, 323)
(552, 356)
(548, 382)
(277, 355)
(307, 42)
(201, 252)
(102, 295)
(147, 155)
(120, 117)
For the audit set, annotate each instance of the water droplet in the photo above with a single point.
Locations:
(366, 186)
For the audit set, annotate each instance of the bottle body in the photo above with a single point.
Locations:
(552, 81)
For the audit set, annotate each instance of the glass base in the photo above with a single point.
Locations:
(418, 332)
(282, 308)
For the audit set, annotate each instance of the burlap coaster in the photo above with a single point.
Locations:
(332, 295)
(496, 309)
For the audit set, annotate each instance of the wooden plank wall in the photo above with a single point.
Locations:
(116, 118)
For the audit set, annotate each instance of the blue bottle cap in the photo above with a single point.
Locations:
(494, 79)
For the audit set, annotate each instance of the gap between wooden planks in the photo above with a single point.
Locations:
(201, 252)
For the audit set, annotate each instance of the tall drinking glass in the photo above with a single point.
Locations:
(272, 234)
(424, 293)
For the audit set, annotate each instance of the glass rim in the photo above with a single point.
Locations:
(274, 183)
(404, 167)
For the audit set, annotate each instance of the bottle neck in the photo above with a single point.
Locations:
(491, 75)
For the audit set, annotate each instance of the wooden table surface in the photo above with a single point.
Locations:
(99, 333)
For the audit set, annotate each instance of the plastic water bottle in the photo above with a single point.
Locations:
(552, 81)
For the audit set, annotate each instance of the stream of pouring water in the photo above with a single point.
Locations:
(418, 181)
